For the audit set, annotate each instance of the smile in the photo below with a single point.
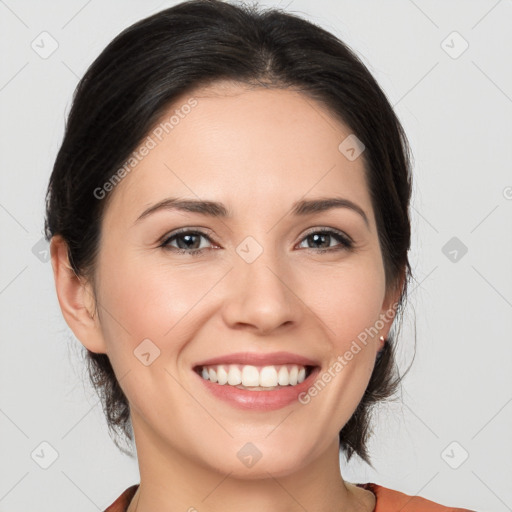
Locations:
(256, 378)
(257, 382)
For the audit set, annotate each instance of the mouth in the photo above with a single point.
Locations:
(257, 381)
(255, 378)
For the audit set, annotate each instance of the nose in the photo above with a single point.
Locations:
(261, 296)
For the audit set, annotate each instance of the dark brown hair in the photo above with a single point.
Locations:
(130, 86)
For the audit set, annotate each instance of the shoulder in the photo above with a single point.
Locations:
(389, 500)
(122, 503)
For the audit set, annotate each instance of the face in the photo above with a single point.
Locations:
(248, 289)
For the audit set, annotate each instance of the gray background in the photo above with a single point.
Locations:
(456, 108)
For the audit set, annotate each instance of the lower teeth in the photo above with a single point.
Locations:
(260, 388)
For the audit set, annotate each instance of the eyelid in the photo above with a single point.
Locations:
(327, 228)
(346, 240)
(207, 233)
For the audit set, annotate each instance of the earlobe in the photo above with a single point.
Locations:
(76, 298)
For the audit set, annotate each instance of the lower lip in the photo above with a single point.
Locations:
(260, 400)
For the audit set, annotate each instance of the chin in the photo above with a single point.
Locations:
(259, 460)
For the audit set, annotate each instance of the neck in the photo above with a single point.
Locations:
(172, 482)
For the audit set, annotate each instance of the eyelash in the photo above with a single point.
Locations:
(345, 241)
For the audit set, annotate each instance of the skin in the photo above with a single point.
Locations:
(257, 151)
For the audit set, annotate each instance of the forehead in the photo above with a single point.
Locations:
(252, 149)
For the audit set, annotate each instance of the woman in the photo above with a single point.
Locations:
(229, 227)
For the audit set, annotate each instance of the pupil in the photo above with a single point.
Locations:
(318, 235)
(187, 245)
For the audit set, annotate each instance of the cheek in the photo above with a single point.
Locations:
(144, 301)
(349, 308)
(355, 296)
(160, 300)
(348, 300)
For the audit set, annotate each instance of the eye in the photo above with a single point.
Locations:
(323, 237)
(187, 242)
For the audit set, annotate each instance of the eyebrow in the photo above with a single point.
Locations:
(216, 209)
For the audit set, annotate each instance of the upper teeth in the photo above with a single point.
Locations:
(266, 376)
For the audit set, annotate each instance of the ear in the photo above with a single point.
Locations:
(390, 306)
(76, 299)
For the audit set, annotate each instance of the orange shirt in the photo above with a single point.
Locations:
(387, 500)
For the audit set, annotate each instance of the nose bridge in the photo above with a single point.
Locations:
(261, 292)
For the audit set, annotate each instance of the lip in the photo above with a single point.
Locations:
(256, 359)
(259, 400)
